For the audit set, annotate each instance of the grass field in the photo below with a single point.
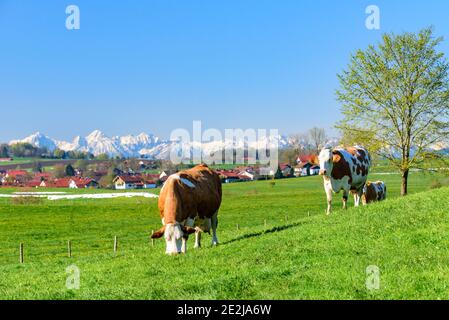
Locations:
(299, 254)
(19, 161)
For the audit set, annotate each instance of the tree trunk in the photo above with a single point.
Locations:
(404, 182)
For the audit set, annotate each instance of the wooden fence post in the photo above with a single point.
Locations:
(21, 253)
(152, 240)
(69, 248)
(115, 244)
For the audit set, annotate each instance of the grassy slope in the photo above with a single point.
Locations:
(315, 257)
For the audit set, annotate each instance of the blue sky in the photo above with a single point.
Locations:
(155, 66)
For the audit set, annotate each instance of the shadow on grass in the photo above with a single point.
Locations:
(260, 233)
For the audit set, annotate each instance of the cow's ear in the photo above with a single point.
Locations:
(188, 230)
(336, 157)
(158, 234)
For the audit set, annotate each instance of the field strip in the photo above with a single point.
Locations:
(39, 193)
(83, 196)
(104, 196)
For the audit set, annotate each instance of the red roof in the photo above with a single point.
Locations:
(45, 175)
(14, 173)
(307, 158)
(81, 182)
(228, 174)
(152, 176)
(62, 183)
(284, 166)
(34, 183)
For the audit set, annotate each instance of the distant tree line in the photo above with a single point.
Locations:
(27, 150)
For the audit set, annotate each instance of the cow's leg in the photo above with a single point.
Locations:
(189, 223)
(357, 196)
(184, 245)
(345, 199)
(328, 189)
(214, 228)
(197, 238)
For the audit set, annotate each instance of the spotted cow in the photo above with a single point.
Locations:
(189, 203)
(374, 191)
(344, 169)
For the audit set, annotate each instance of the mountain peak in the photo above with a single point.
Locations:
(96, 134)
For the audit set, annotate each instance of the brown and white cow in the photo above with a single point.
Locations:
(374, 191)
(188, 198)
(344, 169)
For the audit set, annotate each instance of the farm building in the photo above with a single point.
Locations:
(229, 176)
(286, 169)
(73, 183)
(129, 182)
(15, 177)
(307, 169)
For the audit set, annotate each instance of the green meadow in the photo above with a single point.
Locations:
(275, 243)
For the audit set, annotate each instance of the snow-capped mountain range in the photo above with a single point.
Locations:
(147, 145)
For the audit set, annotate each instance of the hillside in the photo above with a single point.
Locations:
(306, 257)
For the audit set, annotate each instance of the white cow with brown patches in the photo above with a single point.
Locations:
(188, 198)
(344, 169)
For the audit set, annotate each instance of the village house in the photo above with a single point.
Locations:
(247, 175)
(228, 176)
(264, 173)
(307, 166)
(129, 182)
(15, 177)
(73, 183)
(286, 170)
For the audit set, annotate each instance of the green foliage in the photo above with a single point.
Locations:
(26, 150)
(278, 174)
(59, 154)
(107, 180)
(4, 151)
(395, 98)
(103, 156)
(59, 171)
(69, 171)
(81, 165)
(37, 167)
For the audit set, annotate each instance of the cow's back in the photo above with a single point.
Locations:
(207, 191)
(191, 192)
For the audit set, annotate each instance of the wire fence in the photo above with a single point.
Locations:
(12, 252)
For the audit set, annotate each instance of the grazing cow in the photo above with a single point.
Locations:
(344, 169)
(374, 191)
(188, 198)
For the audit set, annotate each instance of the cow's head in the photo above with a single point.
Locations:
(173, 234)
(326, 162)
